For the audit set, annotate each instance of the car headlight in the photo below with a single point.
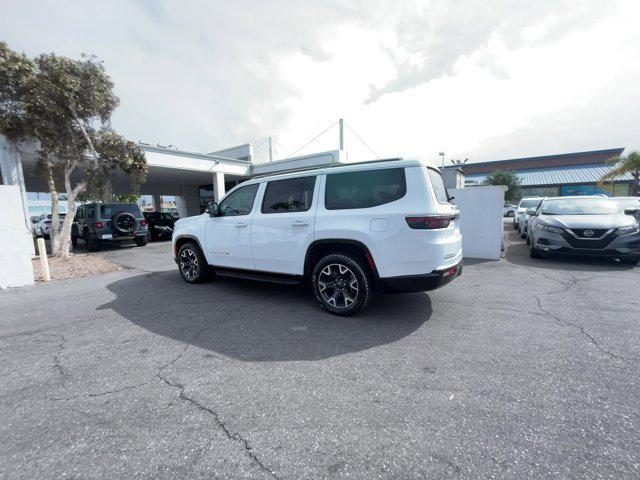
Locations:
(548, 228)
(628, 230)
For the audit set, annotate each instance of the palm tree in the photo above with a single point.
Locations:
(623, 165)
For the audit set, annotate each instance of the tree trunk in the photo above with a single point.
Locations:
(55, 215)
(67, 224)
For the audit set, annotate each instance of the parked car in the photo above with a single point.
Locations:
(522, 207)
(628, 205)
(350, 231)
(96, 223)
(160, 224)
(509, 210)
(42, 228)
(523, 224)
(584, 225)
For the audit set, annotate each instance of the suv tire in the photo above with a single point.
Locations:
(192, 264)
(74, 240)
(142, 240)
(341, 285)
(93, 244)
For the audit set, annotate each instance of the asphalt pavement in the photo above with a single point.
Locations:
(520, 368)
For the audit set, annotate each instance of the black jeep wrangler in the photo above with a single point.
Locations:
(109, 222)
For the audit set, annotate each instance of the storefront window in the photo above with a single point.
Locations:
(539, 191)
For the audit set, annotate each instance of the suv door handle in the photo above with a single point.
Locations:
(240, 224)
(300, 223)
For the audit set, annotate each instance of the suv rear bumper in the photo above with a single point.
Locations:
(420, 283)
(116, 237)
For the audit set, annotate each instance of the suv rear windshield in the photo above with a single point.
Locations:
(438, 186)
(364, 189)
(109, 210)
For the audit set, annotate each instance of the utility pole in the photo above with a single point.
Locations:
(270, 150)
(341, 134)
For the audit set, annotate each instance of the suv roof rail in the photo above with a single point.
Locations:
(332, 165)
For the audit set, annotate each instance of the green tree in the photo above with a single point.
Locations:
(507, 178)
(67, 104)
(623, 165)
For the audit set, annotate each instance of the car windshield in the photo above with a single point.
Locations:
(579, 206)
(624, 203)
(60, 215)
(109, 210)
(529, 202)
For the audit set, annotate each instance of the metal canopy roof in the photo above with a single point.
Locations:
(556, 175)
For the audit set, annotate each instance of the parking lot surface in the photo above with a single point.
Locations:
(518, 369)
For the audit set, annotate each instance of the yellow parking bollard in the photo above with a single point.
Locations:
(44, 261)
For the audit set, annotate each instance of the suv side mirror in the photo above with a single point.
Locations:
(213, 209)
(532, 211)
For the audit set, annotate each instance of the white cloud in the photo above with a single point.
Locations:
(486, 79)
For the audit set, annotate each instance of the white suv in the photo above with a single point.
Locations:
(351, 230)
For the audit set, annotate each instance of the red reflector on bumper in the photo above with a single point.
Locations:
(451, 271)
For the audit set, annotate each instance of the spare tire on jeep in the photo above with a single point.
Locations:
(124, 223)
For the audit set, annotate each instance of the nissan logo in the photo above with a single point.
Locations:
(588, 233)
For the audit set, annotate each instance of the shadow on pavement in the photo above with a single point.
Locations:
(259, 322)
(517, 252)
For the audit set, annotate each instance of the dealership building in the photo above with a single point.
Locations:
(565, 174)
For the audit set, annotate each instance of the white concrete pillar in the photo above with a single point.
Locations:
(218, 186)
(188, 202)
(157, 202)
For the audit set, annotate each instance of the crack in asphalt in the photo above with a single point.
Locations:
(128, 387)
(57, 364)
(584, 332)
(236, 437)
(567, 284)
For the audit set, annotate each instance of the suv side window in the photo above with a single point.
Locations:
(364, 189)
(91, 211)
(80, 213)
(239, 202)
(290, 195)
(438, 186)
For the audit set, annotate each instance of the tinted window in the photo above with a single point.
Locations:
(109, 210)
(530, 202)
(364, 189)
(438, 186)
(91, 211)
(239, 202)
(291, 195)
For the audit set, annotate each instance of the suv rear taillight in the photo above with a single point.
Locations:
(429, 223)
(143, 222)
(99, 224)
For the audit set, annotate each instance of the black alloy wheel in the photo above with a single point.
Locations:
(341, 285)
(192, 264)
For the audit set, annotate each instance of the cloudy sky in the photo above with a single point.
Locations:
(485, 79)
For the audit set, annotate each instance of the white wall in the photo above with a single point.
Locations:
(480, 220)
(16, 241)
